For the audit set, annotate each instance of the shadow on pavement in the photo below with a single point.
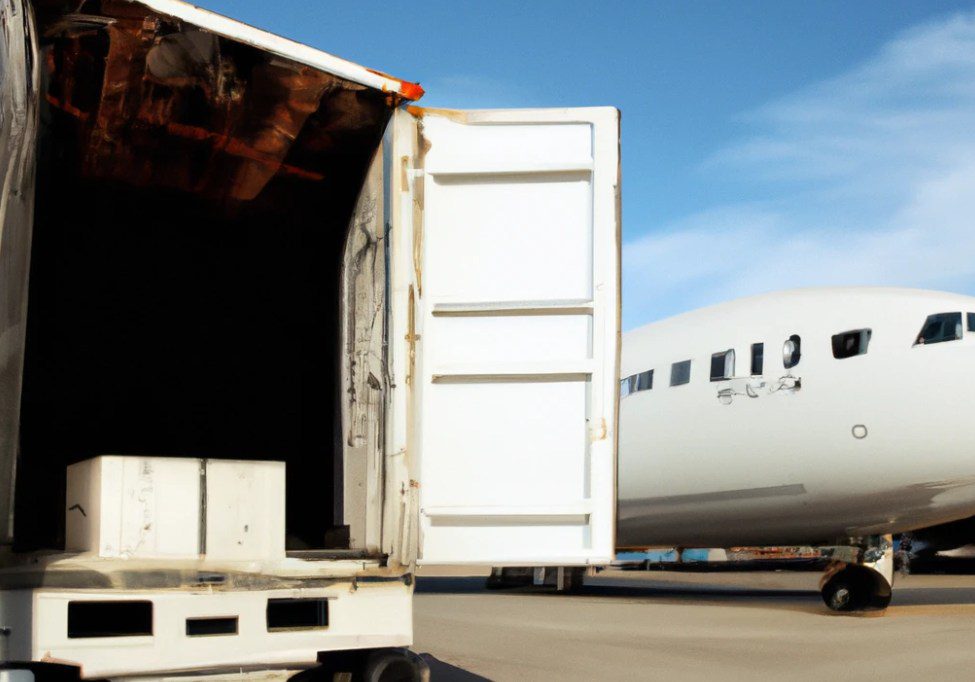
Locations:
(450, 585)
(933, 596)
(444, 672)
(943, 566)
(650, 591)
(740, 595)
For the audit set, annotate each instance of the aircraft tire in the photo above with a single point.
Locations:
(856, 588)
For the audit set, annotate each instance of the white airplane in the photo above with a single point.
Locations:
(831, 417)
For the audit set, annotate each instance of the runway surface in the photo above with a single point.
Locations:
(679, 626)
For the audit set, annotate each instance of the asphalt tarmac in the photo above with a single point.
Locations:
(693, 626)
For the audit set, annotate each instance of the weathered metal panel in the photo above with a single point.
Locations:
(403, 156)
(364, 366)
(236, 30)
(18, 139)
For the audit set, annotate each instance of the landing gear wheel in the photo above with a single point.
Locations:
(856, 588)
(842, 595)
(509, 578)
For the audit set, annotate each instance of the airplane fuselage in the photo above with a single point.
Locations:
(878, 440)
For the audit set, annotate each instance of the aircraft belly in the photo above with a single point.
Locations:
(789, 514)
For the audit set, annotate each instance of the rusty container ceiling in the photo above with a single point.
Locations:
(166, 94)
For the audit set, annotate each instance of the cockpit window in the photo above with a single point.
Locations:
(852, 343)
(723, 365)
(940, 328)
(971, 322)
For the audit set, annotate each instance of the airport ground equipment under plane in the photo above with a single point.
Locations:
(284, 337)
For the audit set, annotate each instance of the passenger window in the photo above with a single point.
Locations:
(758, 359)
(940, 328)
(850, 344)
(636, 382)
(680, 373)
(792, 351)
(971, 322)
(723, 365)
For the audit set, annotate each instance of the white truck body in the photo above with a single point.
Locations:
(479, 306)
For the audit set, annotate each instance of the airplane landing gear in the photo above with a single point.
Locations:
(562, 578)
(860, 576)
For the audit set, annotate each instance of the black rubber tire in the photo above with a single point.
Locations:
(856, 588)
(392, 666)
(842, 595)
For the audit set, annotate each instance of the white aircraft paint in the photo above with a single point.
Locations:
(877, 443)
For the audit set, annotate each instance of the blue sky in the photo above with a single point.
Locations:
(765, 144)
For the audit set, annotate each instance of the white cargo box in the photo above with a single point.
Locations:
(175, 508)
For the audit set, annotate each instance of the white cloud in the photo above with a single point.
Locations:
(868, 178)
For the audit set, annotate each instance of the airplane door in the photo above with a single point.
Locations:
(517, 335)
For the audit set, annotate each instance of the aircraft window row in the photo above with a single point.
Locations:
(937, 328)
(852, 343)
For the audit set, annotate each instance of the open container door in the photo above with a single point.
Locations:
(18, 152)
(517, 318)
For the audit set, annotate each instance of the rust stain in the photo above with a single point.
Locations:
(451, 114)
(411, 91)
(235, 147)
(602, 432)
(407, 90)
(143, 85)
(67, 107)
(404, 177)
(419, 190)
(411, 336)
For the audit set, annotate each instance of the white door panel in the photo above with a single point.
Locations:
(491, 238)
(518, 337)
(474, 339)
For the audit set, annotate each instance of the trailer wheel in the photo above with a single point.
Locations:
(40, 672)
(395, 665)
